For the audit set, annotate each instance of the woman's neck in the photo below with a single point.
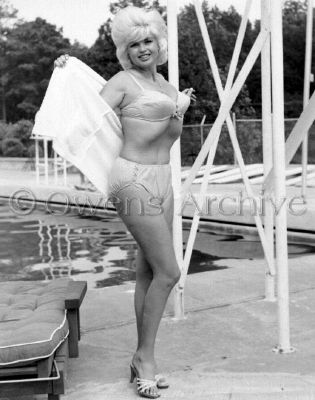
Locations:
(149, 74)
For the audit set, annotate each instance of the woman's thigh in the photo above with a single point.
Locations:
(149, 227)
(168, 210)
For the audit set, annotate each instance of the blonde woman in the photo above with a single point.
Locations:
(151, 113)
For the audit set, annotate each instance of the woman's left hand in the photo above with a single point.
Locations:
(189, 92)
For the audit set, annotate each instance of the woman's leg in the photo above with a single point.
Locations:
(154, 237)
(144, 273)
(144, 276)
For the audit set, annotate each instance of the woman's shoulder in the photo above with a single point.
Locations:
(121, 81)
(118, 79)
(121, 76)
(170, 86)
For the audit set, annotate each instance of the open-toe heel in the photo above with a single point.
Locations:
(132, 374)
(143, 385)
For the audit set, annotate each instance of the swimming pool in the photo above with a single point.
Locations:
(43, 245)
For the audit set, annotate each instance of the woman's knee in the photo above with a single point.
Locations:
(168, 278)
(144, 274)
(143, 268)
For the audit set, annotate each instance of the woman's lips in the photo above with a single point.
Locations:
(144, 57)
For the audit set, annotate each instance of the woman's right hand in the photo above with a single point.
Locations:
(61, 61)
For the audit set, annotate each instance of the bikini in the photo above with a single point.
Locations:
(155, 107)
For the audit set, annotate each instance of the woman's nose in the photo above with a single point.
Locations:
(142, 47)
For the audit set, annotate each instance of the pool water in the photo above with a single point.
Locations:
(44, 246)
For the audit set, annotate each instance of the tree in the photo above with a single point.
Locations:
(8, 16)
(116, 5)
(31, 50)
(12, 147)
(194, 68)
(102, 55)
(20, 130)
(294, 31)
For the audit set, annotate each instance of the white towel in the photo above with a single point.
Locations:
(84, 128)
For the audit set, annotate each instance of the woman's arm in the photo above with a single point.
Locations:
(114, 90)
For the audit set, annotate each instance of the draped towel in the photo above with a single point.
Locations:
(85, 130)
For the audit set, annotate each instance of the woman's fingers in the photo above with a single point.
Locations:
(189, 93)
(61, 61)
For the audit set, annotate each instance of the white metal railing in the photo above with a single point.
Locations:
(42, 166)
(57, 166)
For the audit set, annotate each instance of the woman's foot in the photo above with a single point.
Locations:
(161, 381)
(144, 369)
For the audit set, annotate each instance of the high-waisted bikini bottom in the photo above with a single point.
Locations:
(128, 179)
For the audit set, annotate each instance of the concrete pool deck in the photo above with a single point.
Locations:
(221, 350)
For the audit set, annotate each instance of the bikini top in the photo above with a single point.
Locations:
(153, 105)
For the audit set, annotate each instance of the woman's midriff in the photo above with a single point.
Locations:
(149, 142)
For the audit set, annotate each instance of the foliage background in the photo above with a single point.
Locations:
(28, 49)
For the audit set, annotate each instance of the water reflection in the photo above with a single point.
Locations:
(42, 246)
(100, 250)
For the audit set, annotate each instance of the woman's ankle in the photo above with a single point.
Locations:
(144, 357)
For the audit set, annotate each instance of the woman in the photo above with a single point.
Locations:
(151, 114)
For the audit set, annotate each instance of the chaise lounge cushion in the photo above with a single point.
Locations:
(33, 320)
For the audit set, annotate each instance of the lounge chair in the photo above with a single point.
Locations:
(39, 330)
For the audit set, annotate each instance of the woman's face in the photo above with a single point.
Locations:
(144, 53)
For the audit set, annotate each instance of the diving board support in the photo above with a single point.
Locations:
(227, 96)
(296, 137)
(225, 108)
(306, 91)
(267, 145)
(284, 345)
(175, 150)
(238, 44)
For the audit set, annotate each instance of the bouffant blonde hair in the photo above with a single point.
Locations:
(132, 24)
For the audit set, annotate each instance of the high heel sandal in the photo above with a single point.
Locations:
(143, 384)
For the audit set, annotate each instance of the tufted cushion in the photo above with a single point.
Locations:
(32, 320)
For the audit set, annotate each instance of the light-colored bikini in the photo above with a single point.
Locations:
(155, 107)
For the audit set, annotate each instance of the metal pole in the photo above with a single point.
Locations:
(235, 144)
(238, 46)
(306, 92)
(201, 129)
(37, 160)
(267, 144)
(279, 169)
(65, 176)
(225, 108)
(46, 160)
(234, 124)
(55, 168)
(213, 144)
(173, 77)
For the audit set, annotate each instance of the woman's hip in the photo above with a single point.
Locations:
(152, 181)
